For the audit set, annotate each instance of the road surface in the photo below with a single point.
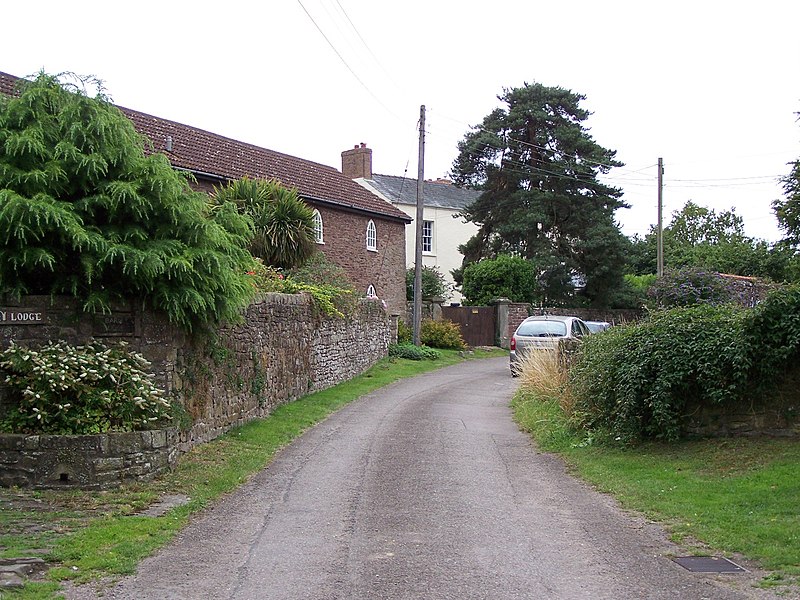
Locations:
(425, 489)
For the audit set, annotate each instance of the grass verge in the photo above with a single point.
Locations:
(728, 496)
(87, 536)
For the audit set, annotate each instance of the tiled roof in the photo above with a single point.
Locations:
(213, 155)
(401, 190)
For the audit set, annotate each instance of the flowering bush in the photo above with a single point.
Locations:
(63, 389)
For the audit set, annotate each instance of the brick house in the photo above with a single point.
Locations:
(442, 231)
(356, 229)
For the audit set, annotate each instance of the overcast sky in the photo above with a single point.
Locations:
(710, 86)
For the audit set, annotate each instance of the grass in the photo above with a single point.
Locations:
(87, 536)
(730, 496)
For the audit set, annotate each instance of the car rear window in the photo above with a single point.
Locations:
(543, 329)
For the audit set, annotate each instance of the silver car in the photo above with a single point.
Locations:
(597, 326)
(543, 333)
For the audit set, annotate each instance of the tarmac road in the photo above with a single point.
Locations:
(425, 489)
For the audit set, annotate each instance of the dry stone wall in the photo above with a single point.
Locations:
(282, 350)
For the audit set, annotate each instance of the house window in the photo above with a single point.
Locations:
(372, 236)
(371, 293)
(317, 220)
(427, 236)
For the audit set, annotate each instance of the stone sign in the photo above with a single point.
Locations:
(22, 316)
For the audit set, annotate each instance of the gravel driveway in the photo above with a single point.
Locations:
(422, 490)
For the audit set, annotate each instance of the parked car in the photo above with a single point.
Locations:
(543, 333)
(597, 326)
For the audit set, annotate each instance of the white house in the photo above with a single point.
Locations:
(442, 231)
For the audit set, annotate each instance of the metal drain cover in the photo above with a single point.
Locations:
(708, 564)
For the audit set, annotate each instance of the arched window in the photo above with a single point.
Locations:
(317, 219)
(371, 293)
(372, 236)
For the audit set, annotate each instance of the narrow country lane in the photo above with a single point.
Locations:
(422, 490)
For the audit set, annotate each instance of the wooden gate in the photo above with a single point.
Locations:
(477, 323)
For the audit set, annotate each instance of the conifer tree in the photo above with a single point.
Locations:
(538, 167)
(86, 212)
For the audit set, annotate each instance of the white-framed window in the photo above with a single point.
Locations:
(371, 293)
(317, 220)
(427, 236)
(372, 236)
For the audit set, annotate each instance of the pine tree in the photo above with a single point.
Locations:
(542, 200)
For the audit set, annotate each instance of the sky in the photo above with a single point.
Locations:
(711, 87)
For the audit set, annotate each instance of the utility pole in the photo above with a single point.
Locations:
(660, 231)
(418, 237)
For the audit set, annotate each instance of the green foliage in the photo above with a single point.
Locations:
(319, 270)
(328, 299)
(701, 238)
(65, 389)
(635, 381)
(412, 352)
(633, 293)
(441, 334)
(506, 276)
(282, 223)
(405, 334)
(84, 212)
(542, 199)
(434, 285)
(788, 210)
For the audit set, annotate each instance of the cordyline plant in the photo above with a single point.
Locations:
(64, 389)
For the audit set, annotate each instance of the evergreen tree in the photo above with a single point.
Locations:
(538, 168)
(84, 211)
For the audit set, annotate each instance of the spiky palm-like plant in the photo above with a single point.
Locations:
(282, 223)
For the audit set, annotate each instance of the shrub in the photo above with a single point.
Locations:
(328, 299)
(63, 389)
(433, 283)
(635, 381)
(504, 277)
(412, 352)
(405, 334)
(441, 334)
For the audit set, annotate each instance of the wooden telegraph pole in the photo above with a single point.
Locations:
(660, 232)
(418, 238)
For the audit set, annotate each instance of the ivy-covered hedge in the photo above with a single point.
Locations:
(635, 381)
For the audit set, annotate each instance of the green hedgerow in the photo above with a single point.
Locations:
(73, 390)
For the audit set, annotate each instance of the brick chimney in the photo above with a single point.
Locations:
(357, 162)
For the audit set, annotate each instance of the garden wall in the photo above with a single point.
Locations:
(281, 351)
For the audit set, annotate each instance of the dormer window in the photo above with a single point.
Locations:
(317, 222)
(372, 236)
